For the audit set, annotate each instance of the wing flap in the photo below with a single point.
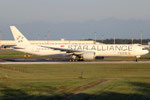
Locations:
(62, 49)
(15, 47)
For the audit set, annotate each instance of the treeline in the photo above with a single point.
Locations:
(123, 41)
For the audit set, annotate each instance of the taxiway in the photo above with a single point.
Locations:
(92, 62)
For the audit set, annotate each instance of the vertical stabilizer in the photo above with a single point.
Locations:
(19, 37)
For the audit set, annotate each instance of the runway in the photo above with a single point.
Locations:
(92, 62)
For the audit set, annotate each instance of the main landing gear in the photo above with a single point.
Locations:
(75, 58)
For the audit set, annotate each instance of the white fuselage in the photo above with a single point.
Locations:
(98, 49)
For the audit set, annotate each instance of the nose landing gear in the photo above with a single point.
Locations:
(137, 58)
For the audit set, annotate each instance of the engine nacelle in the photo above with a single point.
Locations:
(88, 56)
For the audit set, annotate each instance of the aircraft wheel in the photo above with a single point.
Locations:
(136, 59)
(81, 59)
(75, 58)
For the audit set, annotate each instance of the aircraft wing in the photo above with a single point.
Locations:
(62, 49)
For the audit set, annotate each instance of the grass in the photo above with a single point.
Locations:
(64, 82)
(10, 53)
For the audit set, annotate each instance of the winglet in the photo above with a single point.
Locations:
(19, 37)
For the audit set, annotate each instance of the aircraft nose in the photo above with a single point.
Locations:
(146, 51)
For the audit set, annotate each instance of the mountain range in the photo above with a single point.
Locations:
(105, 29)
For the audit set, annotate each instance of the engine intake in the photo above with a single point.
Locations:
(88, 55)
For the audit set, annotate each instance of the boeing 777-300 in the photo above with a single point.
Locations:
(77, 51)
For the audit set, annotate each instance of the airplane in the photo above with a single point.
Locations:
(78, 52)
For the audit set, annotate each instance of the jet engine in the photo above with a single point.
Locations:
(88, 56)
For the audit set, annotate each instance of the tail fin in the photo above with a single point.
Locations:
(19, 37)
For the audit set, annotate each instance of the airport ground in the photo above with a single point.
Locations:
(14, 56)
(75, 82)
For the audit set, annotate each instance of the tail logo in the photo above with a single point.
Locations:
(20, 39)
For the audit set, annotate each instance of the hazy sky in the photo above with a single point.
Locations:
(24, 11)
(73, 18)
